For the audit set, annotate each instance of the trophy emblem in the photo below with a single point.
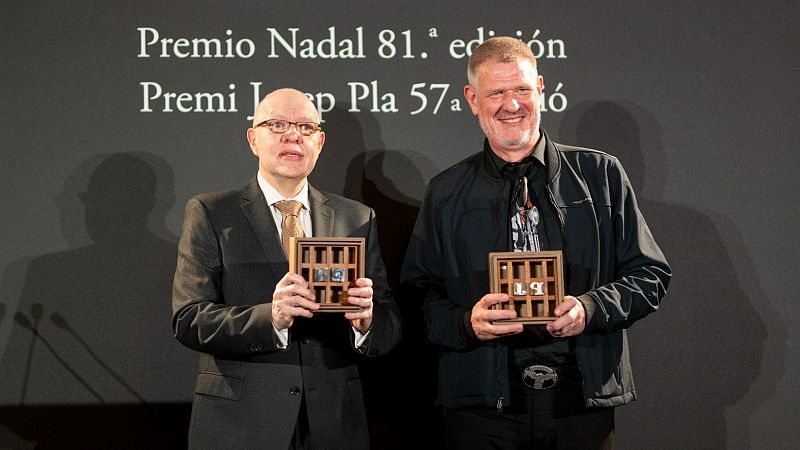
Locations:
(534, 282)
(331, 266)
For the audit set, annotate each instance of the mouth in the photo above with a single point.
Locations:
(289, 154)
(511, 120)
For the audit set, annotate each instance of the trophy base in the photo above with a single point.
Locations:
(525, 321)
(332, 307)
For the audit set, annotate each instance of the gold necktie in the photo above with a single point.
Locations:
(291, 223)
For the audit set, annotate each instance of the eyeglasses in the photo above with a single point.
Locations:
(282, 126)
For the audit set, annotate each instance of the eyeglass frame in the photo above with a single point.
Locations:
(315, 127)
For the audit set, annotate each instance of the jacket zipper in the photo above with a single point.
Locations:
(502, 206)
(497, 378)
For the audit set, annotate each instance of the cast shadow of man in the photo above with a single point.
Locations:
(400, 387)
(92, 326)
(702, 351)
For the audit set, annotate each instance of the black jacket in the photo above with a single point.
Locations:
(616, 270)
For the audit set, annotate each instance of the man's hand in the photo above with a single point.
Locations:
(291, 299)
(571, 318)
(361, 295)
(483, 316)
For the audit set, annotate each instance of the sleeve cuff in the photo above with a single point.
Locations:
(594, 313)
(280, 338)
(469, 334)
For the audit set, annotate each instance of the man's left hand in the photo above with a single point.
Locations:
(361, 295)
(571, 318)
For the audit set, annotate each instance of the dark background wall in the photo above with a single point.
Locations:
(698, 100)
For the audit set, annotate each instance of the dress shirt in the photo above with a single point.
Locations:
(273, 196)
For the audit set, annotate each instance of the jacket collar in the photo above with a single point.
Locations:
(255, 209)
(322, 215)
(488, 163)
(551, 159)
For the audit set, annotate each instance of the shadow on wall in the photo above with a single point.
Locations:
(702, 351)
(399, 387)
(92, 331)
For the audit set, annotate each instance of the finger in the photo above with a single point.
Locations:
(293, 304)
(564, 328)
(492, 299)
(362, 302)
(554, 331)
(296, 311)
(363, 292)
(305, 303)
(364, 282)
(289, 280)
(286, 279)
(491, 310)
(558, 325)
(502, 330)
(566, 305)
(293, 290)
(293, 278)
(489, 331)
(492, 315)
(358, 315)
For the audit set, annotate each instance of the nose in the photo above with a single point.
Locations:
(292, 135)
(510, 102)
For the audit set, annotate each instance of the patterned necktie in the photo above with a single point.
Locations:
(291, 223)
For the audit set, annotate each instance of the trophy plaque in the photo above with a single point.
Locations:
(534, 282)
(331, 266)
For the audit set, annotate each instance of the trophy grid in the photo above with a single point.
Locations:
(331, 266)
(533, 281)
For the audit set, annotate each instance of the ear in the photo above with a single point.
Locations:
(251, 139)
(540, 84)
(470, 95)
(321, 142)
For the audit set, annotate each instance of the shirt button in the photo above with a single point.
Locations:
(294, 390)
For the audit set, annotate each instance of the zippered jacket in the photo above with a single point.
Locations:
(616, 270)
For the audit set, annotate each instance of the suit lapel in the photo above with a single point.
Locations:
(322, 215)
(255, 209)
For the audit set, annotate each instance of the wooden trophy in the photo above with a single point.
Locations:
(331, 266)
(534, 282)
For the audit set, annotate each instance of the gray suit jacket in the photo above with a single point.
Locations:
(248, 392)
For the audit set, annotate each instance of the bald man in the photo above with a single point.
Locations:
(275, 373)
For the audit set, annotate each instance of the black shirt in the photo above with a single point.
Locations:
(534, 345)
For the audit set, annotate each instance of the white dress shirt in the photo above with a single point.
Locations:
(273, 196)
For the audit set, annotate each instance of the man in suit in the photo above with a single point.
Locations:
(274, 372)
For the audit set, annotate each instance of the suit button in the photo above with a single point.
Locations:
(294, 390)
(306, 341)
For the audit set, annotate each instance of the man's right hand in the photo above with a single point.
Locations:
(291, 299)
(483, 316)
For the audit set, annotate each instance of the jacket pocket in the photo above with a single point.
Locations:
(218, 385)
